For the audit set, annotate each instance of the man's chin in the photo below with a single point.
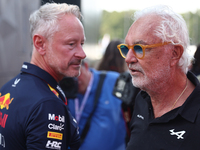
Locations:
(73, 74)
(137, 82)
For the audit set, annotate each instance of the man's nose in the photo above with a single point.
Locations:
(130, 57)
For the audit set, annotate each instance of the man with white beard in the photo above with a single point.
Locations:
(166, 113)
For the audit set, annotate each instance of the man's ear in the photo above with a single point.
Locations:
(39, 43)
(177, 53)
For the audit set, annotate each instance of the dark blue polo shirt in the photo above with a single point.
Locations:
(33, 114)
(178, 129)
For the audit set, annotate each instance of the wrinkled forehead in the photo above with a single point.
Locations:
(143, 29)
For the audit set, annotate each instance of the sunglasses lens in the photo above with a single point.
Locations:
(138, 51)
(124, 50)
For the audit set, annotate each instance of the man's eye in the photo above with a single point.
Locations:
(71, 44)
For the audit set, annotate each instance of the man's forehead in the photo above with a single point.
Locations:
(143, 30)
(148, 22)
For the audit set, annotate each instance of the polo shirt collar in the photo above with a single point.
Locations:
(189, 110)
(43, 75)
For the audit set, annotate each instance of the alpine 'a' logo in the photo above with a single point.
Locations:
(179, 134)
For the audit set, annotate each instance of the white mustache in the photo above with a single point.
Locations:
(133, 67)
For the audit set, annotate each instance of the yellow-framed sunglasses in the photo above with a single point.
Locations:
(138, 49)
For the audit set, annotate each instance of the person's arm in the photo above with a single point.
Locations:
(49, 127)
(75, 140)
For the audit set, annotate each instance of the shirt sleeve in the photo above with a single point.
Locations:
(75, 142)
(51, 126)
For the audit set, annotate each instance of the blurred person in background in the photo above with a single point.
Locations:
(167, 110)
(34, 115)
(112, 60)
(196, 63)
(97, 111)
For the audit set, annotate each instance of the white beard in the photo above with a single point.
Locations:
(153, 79)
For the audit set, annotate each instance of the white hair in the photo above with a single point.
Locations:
(172, 28)
(44, 20)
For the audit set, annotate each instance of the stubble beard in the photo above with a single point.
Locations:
(55, 64)
(155, 81)
(58, 66)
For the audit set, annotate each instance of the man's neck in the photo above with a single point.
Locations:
(39, 61)
(171, 96)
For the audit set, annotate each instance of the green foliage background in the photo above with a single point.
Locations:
(116, 24)
(193, 24)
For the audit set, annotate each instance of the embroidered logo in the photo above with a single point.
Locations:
(16, 82)
(24, 66)
(5, 101)
(74, 120)
(56, 118)
(140, 116)
(53, 126)
(61, 91)
(179, 134)
(54, 135)
(2, 140)
(53, 90)
(53, 145)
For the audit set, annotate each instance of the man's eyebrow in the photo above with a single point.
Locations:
(141, 42)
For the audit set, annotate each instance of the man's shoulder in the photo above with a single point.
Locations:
(27, 87)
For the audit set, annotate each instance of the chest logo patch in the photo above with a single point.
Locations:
(5, 101)
(53, 90)
(179, 134)
(16, 82)
(140, 116)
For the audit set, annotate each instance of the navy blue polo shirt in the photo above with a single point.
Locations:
(178, 129)
(33, 114)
